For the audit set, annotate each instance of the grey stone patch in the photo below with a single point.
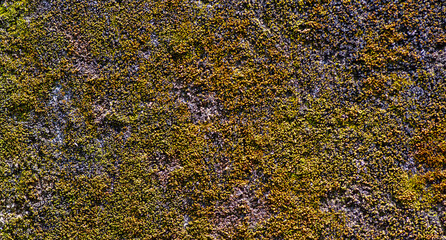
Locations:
(242, 204)
(57, 127)
(202, 105)
(187, 219)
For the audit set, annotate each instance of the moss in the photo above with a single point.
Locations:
(227, 120)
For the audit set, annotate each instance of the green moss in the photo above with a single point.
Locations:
(198, 120)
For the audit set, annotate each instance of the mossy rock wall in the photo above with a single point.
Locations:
(248, 119)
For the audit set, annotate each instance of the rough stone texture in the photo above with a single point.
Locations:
(222, 119)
